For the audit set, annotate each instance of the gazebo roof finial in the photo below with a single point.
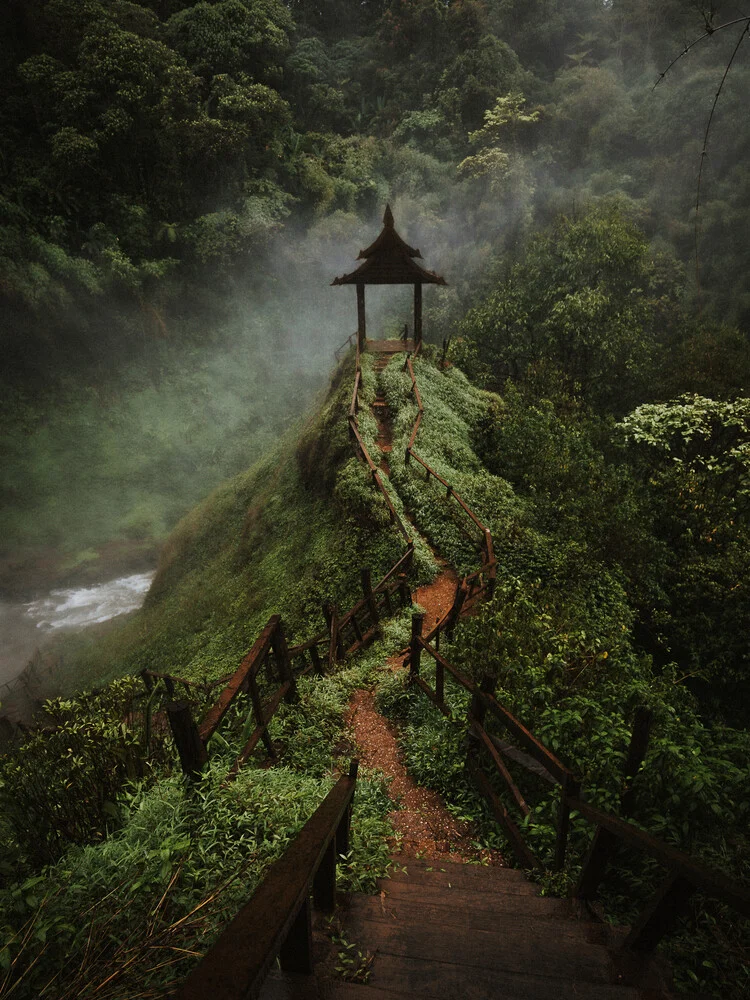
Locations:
(388, 218)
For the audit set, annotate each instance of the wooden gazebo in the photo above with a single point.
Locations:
(389, 261)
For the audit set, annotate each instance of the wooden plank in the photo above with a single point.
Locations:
(355, 392)
(402, 563)
(215, 714)
(302, 647)
(527, 739)
(369, 597)
(365, 453)
(269, 710)
(595, 863)
(524, 856)
(417, 624)
(481, 902)
(431, 695)
(662, 912)
(295, 952)
(514, 754)
(479, 949)
(190, 746)
(260, 717)
(443, 980)
(503, 770)
(462, 908)
(234, 968)
(371, 634)
(453, 671)
(709, 880)
(413, 437)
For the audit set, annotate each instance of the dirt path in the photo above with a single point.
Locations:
(424, 827)
(437, 597)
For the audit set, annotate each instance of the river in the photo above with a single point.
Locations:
(25, 626)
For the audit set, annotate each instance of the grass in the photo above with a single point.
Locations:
(283, 537)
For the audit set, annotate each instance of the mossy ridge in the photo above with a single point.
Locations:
(281, 538)
(453, 412)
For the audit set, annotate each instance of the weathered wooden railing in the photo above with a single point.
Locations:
(480, 583)
(361, 449)
(685, 874)
(277, 921)
(282, 665)
(348, 633)
(339, 352)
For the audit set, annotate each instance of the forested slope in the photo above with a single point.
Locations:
(174, 174)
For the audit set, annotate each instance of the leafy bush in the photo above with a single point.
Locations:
(60, 786)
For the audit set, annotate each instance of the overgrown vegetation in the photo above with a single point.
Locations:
(172, 176)
(130, 912)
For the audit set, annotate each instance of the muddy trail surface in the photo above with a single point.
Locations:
(424, 826)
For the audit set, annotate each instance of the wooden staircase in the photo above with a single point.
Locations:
(449, 931)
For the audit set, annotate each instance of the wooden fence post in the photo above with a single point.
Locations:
(642, 723)
(455, 612)
(415, 650)
(369, 595)
(284, 663)
(476, 714)
(187, 739)
(492, 571)
(404, 590)
(295, 954)
(342, 831)
(569, 788)
(334, 646)
(316, 661)
(595, 863)
(662, 912)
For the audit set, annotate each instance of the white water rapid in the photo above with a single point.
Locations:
(24, 627)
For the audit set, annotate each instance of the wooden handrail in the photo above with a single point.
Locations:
(340, 350)
(405, 560)
(354, 406)
(451, 492)
(686, 873)
(217, 712)
(534, 747)
(278, 912)
(708, 880)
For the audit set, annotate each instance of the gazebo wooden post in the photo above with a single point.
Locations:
(361, 324)
(389, 261)
(417, 314)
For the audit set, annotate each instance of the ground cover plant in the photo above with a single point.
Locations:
(284, 537)
(130, 912)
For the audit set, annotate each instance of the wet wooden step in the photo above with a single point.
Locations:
(409, 904)
(286, 986)
(511, 944)
(416, 977)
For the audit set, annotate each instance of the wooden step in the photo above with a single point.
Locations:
(509, 944)
(286, 986)
(409, 903)
(417, 977)
(465, 877)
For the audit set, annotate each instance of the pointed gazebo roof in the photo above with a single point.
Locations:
(389, 261)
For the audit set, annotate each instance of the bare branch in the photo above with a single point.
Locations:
(704, 150)
(706, 34)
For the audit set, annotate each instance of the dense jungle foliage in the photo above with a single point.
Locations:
(178, 184)
(175, 176)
